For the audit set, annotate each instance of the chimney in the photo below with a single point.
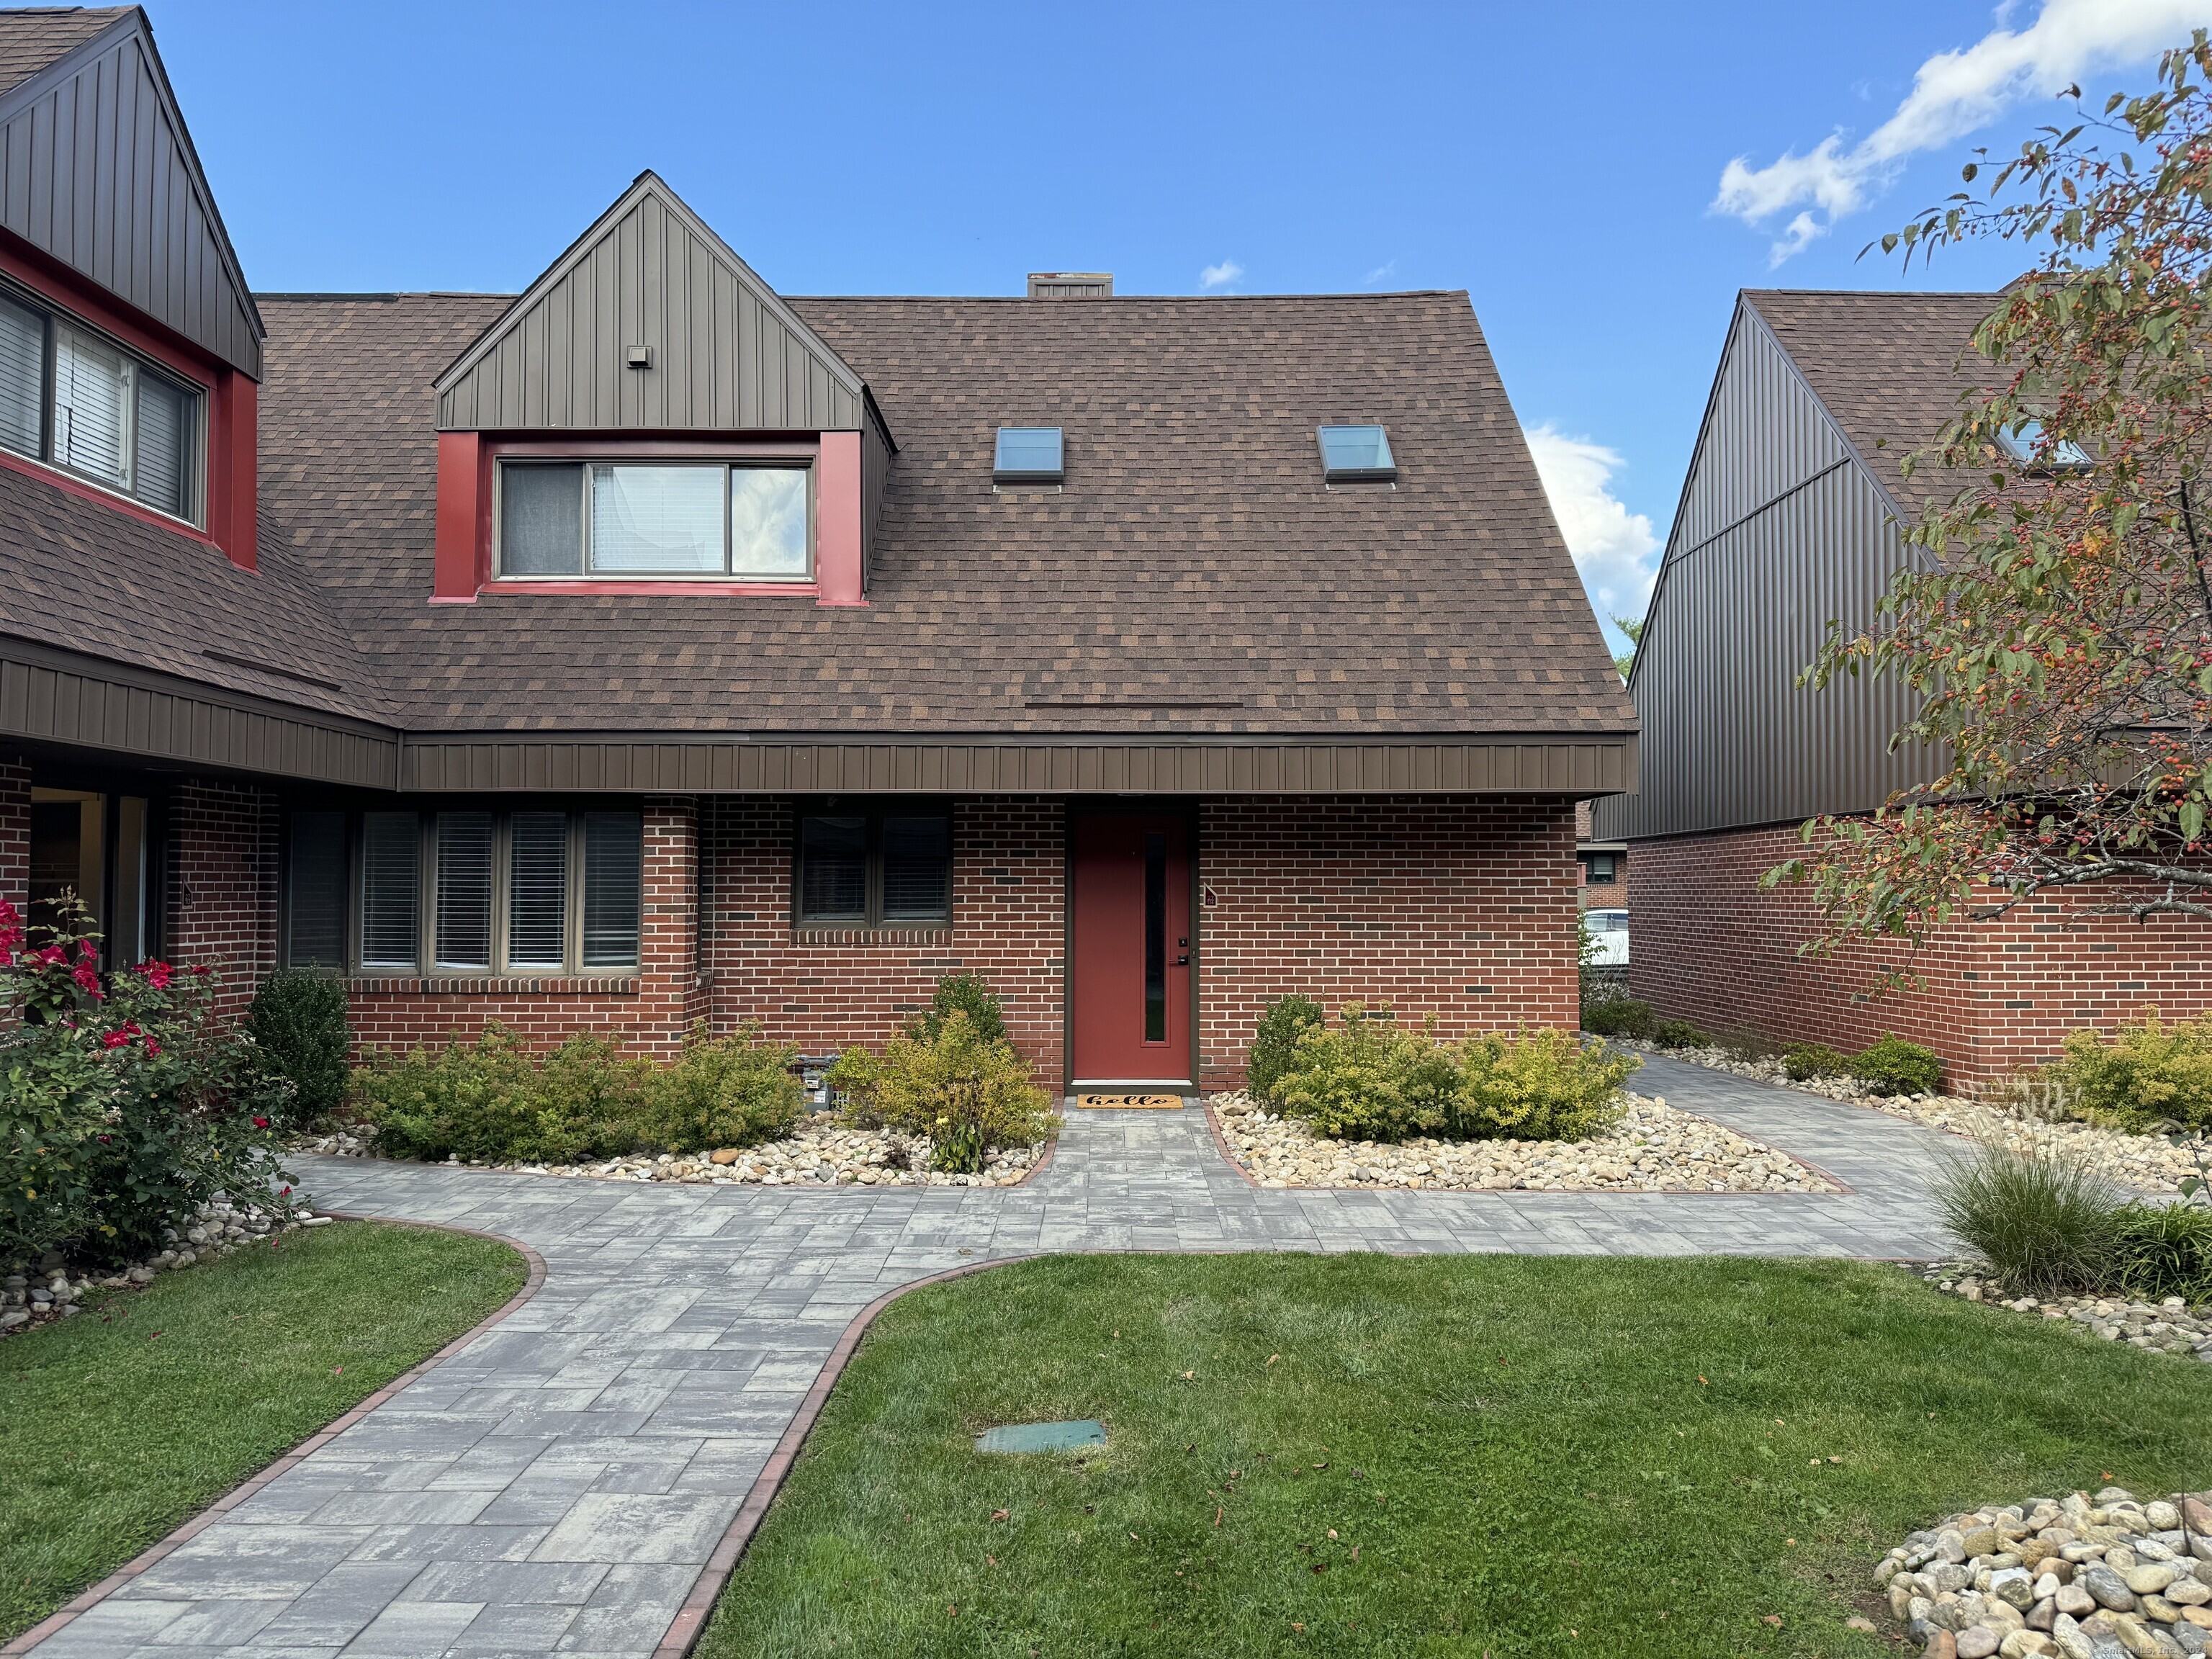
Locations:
(1071, 285)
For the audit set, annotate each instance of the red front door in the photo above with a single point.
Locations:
(1130, 987)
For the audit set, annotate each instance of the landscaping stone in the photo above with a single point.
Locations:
(56, 1294)
(2110, 1576)
(2153, 1163)
(1653, 1148)
(818, 1153)
(2171, 1327)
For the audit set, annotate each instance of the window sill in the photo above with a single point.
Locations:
(933, 934)
(638, 588)
(478, 985)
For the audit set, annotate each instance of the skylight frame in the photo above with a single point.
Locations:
(1332, 473)
(2021, 441)
(1034, 475)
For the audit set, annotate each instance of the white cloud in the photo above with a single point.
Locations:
(1220, 276)
(1381, 273)
(1615, 551)
(1954, 94)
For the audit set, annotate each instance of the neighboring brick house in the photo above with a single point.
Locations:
(1601, 866)
(651, 648)
(1790, 519)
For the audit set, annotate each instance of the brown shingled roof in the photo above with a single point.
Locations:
(1889, 367)
(31, 40)
(1194, 555)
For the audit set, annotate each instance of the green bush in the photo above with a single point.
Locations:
(964, 1092)
(2044, 1219)
(1367, 1080)
(1891, 1066)
(1744, 1044)
(2164, 1249)
(737, 1091)
(1802, 1061)
(1621, 1017)
(1538, 1085)
(1276, 1044)
(299, 1019)
(2150, 1075)
(970, 996)
(492, 1100)
(1677, 1034)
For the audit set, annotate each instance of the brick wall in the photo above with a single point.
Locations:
(648, 1012)
(825, 990)
(1707, 944)
(222, 886)
(15, 831)
(1463, 909)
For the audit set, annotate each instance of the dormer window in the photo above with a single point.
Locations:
(1028, 455)
(1357, 454)
(676, 519)
(75, 399)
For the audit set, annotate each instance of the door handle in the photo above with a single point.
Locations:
(1182, 962)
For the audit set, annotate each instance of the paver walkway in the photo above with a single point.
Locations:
(557, 1486)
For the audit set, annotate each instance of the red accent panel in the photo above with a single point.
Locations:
(232, 404)
(1113, 914)
(837, 567)
(463, 557)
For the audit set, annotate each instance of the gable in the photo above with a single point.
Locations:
(726, 353)
(98, 172)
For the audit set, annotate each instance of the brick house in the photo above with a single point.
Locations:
(652, 648)
(1791, 517)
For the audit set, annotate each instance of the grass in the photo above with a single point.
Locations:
(1444, 1455)
(118, 1423)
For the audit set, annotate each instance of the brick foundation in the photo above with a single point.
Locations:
(1709, 946)
(1459, 910)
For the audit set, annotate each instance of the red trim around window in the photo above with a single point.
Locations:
(232, 404)
(467, 479)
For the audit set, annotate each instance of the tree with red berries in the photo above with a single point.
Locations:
(2057, 631)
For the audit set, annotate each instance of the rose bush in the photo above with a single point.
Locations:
(125, 1103)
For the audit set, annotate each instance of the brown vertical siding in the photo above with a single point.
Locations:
(1780, 532)
(95, 170)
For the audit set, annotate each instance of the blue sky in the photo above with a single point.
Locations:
(1561, 163)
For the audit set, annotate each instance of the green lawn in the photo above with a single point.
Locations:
(118, 1423)
(1461, 1455)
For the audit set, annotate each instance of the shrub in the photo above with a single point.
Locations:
(2046, 1221)
(965, 1093)
(1891, 1066)
(492, 1100)
(124, 1105)
(1802, 1061)
(737, 1091)
(1621, 1017)
(2148, 1076)
(1677, 1034)
(299, 1019)
(1538, 1085)
(1276, 1044)
(971, 997)
(1744, 1044)
(2164, 1249)
(1365, 1079)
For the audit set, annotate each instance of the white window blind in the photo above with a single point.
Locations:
(92, 407)
(538, 890)
(22, 377)
(464, 886)
(657, 518)
(391, 883)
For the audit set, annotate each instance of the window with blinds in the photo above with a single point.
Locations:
(98, 409)
(535, 891)
(875, 869)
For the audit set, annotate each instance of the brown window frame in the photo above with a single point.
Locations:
(871, 919)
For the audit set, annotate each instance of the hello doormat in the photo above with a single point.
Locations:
(1126, 1103)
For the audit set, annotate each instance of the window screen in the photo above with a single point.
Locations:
(917, 869)
(833, 869)
(391, 883)
(613, 872)
(92, 408)
(541, 521)
(315, 891)
(465, 884)
(538, 890)
(163, 473)
(664, 519)
(22, 377)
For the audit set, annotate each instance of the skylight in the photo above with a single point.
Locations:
(1028, 455)
(2023, 446)
(1356, 454)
